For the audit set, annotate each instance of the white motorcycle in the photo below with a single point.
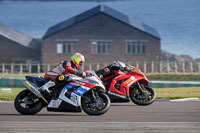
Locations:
(86, 94)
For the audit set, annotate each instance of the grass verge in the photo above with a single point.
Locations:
(176, 93)
(162, 93)
(174, 77)
(10, 96)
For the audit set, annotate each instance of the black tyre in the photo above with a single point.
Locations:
(145, 97)
(99, 107)
(27, 103)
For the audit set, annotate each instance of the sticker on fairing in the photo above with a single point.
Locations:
(80, 91)
(55, 103)
(69, 86)
(73, 98)
(130, 80)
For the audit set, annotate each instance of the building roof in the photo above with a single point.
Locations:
(14, 35)
(106, 10)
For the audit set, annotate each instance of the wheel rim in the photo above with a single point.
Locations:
(93, 106)
(28, 100)
(144, 96)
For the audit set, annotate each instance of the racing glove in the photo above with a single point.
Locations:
(80, 74)
(126, 69)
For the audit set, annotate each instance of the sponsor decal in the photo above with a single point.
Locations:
(61, 77)
(81, 83)
(29, 85)
(132, 77)
(116, 94)
(80, 91)
(91, 82)
(54, 103)
(73, 98)
(130, 83)
(68, 86)
(131, 80)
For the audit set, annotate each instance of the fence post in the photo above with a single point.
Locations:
(12, 68)
(3, 68)
(20, 68)
(38, 68)
(160, 66)
(48, 67)
(152, 67)
(97, 66)
(175, 65)
(183, 66)
(129, 63)
(90, 67)
(30, 68)
(105, 64)
(168, 67)
(145, 67)
(137, 65)
(199, 66)
(191, 67)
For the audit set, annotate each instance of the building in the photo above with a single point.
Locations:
(102, 34)
(16, 47)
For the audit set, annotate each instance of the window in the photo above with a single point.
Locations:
(101, 47)
(65, 46)
(136, 47)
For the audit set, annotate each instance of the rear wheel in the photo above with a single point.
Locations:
(144, 96)
(27, 103)
(96, 107)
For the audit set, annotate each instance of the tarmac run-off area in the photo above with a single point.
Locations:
(161, 116)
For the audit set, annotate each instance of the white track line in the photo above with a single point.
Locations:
(6, 101)
(98, 122)
(185, 99)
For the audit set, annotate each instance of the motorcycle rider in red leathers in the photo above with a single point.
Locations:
(64, 68)
(108, 70)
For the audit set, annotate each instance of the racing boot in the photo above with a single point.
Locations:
(46, 86)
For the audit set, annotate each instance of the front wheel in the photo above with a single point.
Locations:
(97, 106)
(144, 96)
(27, 103)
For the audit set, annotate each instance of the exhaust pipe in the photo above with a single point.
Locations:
(34, 90)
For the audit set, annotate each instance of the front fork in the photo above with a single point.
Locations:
(95, 95)
(141, 87)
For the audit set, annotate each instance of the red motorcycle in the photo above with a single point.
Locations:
(134, 86)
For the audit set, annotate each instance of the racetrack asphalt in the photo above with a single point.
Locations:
(161, 116)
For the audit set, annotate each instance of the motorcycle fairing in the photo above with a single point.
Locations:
(141, 78)
(122, 90)
(75, 96)
(88, 84)
(61, 106)
(130, 79)
(71, 103)
(55, 103)
(115, 97)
